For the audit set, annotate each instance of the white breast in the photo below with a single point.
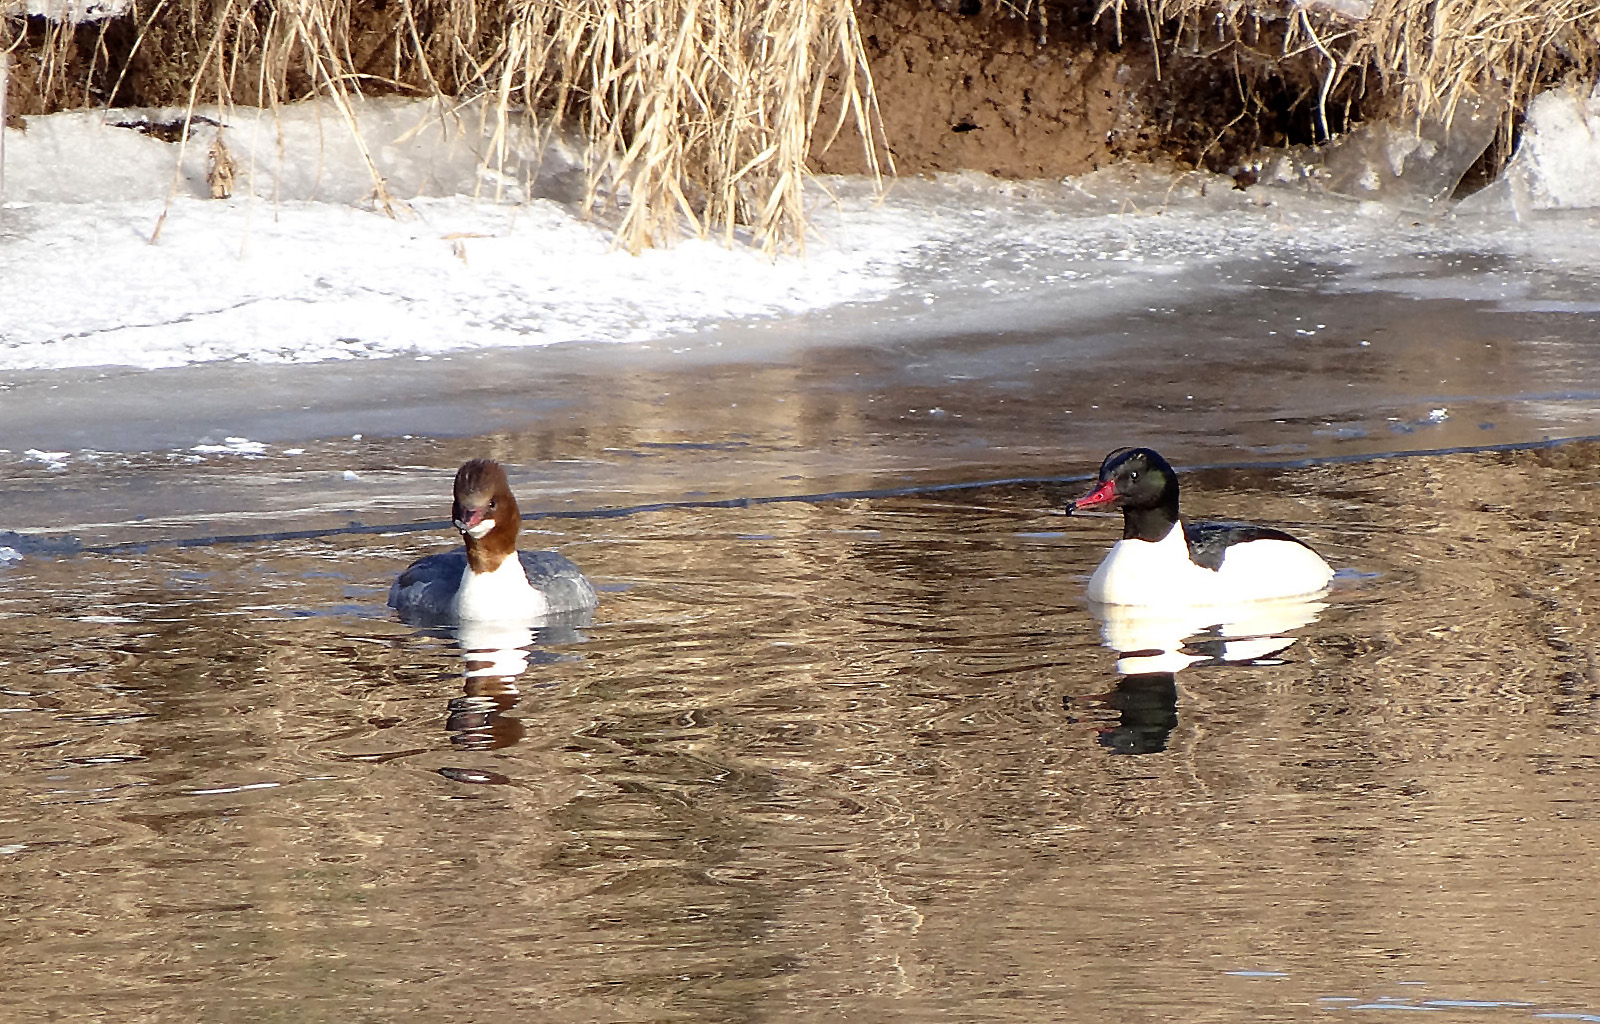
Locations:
(1139, 572)
(500, 595)
(1150, 572)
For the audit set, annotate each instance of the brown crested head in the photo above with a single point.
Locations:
(486, 513)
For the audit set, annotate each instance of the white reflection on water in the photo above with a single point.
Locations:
(495, 650)
(1155, 643)
(494, 658)
(1158, 639)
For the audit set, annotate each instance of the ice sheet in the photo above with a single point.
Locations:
(300, 265)
(283, 357)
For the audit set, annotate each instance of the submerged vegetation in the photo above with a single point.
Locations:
(703, 114)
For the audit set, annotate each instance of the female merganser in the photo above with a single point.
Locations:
(489, 580)
(1162, 561)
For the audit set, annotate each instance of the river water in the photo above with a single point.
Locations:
(821, 761)
(843, 741)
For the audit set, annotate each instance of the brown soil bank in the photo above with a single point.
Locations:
(1024, 88)
(711, 111)
(975, 86)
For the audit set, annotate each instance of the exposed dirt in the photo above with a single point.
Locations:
(961, 84)
(969, 85)
(982, 91)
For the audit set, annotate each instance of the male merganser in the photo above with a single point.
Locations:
(1162, 561)
(489, 580)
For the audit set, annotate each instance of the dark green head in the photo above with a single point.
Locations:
(1141, 483)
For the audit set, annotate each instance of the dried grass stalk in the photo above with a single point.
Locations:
(1430, 53)
(220, 168)
(698, 114)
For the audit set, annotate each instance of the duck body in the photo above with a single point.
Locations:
(534, 584)
(1161, 560)
(488, 580)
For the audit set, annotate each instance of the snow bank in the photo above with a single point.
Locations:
(299, 265)
(301, 282)
(304, 152)
(69, 11)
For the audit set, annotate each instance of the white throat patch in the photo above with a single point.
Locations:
(478, 532)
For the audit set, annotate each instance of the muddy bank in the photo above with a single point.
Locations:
(977, 87)
(968, 86)
(1022, 90)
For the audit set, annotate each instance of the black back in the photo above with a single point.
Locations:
(1208, 542)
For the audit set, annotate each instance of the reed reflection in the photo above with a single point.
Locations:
(1154, 644)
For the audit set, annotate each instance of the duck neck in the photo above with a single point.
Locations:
(1152, 524)
(487, 553)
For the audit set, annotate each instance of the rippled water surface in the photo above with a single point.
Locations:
(843, 760)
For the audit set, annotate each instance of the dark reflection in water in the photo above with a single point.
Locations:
(820, 762)
(1147, 705)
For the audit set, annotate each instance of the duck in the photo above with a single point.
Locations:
(488, 579)
(1162, 560)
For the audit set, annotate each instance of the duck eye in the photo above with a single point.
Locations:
(1134, 475)
(491, 502)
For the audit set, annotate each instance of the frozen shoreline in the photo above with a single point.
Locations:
(298, 267)
(956, 329)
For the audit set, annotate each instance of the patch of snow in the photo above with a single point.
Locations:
(300, 266)
(68, 11)
(232, 446)
(1355, 10)
(52, 460)
(291, 269)
(303, 152)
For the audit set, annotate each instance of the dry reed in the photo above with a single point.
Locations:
(1426, 54)
(5, 69)
(698, 114)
